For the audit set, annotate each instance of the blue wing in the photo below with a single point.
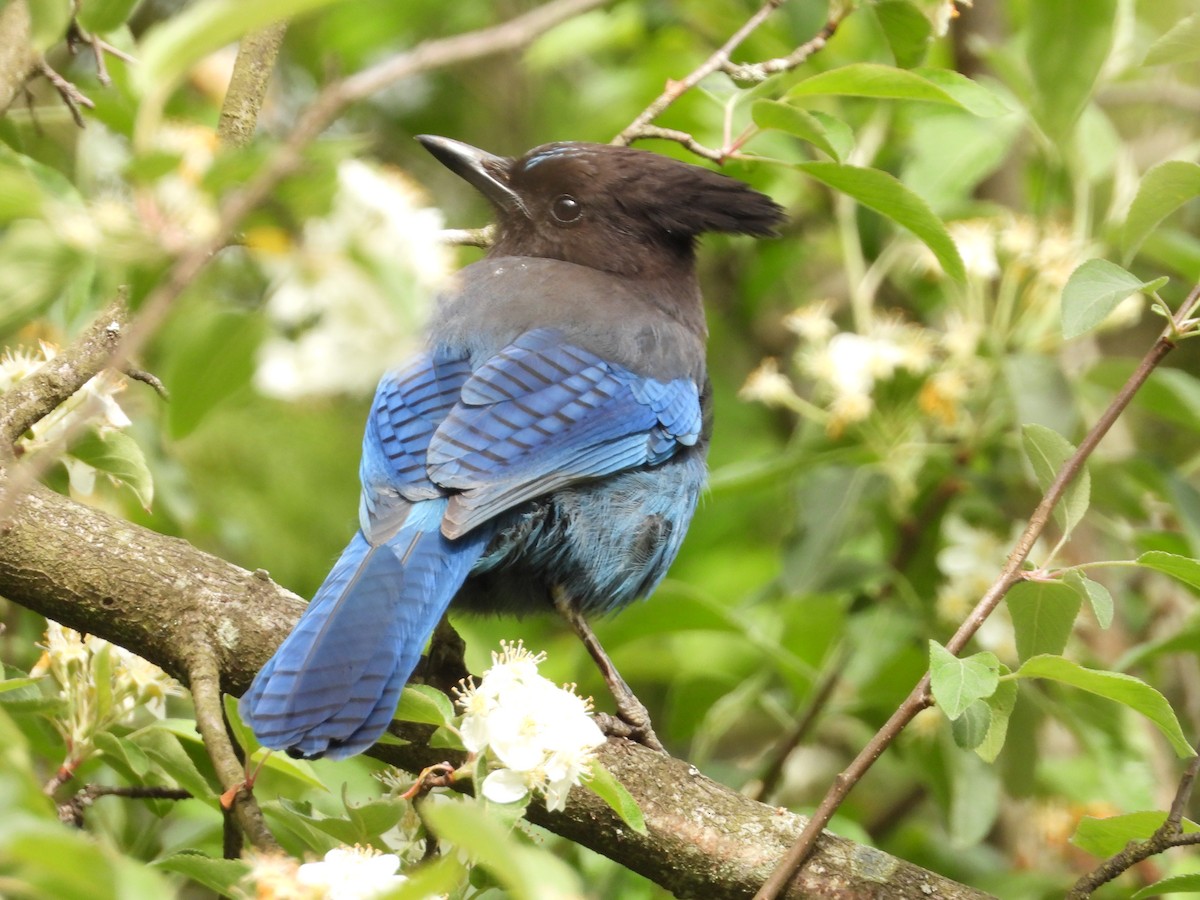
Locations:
(542, 414)
(332, 686)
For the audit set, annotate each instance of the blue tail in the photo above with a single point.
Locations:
(333, 684)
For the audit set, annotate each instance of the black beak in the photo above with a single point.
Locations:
(488, 174)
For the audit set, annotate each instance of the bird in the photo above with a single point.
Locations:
(545, 450)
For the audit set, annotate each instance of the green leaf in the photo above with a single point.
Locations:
(970, 729)
(213, 357)
(12, 684)
(1096, 594)
(48, 20)
(1162, 190)
(170, 48)
(1108, 836)
(102, 16)
(1068, 42)
(959, 683)
(299, 770)
(1176, 884)
(1000, 707)
(933, 85)
(779, 116)
(125, 756)
(605, 786)
(970, 95)
(218, 875)
(1043, 613)
(118, 456)
(164, 749)
(907, 30)
(425, 704)
(1124, 689)
(524, 872)
(1094, 290)
(1180, 44)
(1047, 451)
(887, 196)
(1181, 568)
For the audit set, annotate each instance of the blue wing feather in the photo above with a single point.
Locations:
(542, 414)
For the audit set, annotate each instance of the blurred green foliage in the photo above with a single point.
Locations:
(945, 177)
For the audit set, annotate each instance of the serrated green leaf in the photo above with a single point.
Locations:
(372, 818)
(1181, 568)
(1116, 686)
(219, 875)
(1176, 884)
(1000, 707)
(446, 739)
(1068, 42)
(1094, 290)
(779, 116)
(907, 30)
(1108, 836)
(426, 705)
(1180, 44)
(1096, 594)
(120, 457)
(970, 729)
(1162, 190)
(883, 193)
(1047, 451)
(958, 683)
(1043, 613)
(605, 786)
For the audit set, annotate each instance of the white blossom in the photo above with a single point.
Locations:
(351, 873)
(349, 297)
(540, 736)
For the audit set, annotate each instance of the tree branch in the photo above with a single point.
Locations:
(165, 599)
(18, 58)
(248, 86)
(920, 696)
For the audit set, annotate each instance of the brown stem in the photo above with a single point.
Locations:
(18, 58)
(920, 697)
(204, 679)
(248, 86)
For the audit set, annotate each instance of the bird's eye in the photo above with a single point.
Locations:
(566, 209)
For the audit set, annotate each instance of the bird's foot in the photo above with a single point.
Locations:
(632, 722)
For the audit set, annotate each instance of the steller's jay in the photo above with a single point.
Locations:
(546, 449)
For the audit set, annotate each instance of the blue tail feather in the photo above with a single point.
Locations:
(332, 686)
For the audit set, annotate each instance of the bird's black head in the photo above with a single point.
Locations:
(616, 209)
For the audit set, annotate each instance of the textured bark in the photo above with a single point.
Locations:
(17, 55)
(160, 596)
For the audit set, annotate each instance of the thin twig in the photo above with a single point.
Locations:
(288, 156)
(71, 812)
(761, 71)
(920, 697)
(676, 89)
(70, 94)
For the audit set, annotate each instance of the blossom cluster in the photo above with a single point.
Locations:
(103, 684)
(345, 873)
(539, 737)
(349, 294)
